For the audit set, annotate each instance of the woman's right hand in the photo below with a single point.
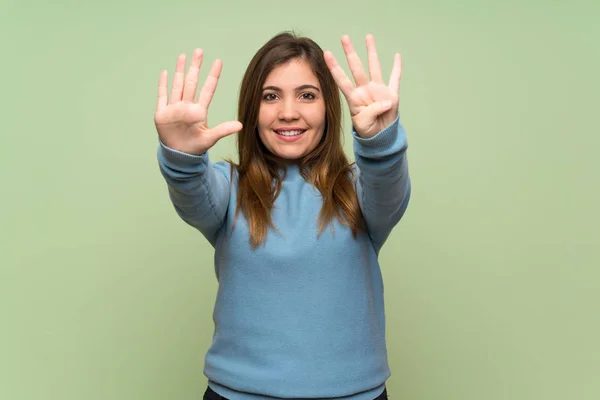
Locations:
(182, 122)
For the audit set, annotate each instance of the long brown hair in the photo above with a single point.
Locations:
(326, 167)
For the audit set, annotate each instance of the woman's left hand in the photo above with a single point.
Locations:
(373, 104)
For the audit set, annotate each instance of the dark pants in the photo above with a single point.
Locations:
(212, 395)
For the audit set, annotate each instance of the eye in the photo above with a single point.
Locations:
(269, 96)
(308, 96)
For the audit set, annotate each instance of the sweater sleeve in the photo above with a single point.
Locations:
(199, 189)
(383, 183)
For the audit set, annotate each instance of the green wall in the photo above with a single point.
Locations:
(492, 278)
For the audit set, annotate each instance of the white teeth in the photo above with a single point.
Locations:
(288, 133)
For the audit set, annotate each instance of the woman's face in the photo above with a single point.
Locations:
(291, 118)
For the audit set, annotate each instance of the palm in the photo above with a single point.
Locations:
(363, 96)
(186, 113)
(182, 124)
(366, 99)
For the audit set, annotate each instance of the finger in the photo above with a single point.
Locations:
(340, 77)
(356, 67)
(374, 66)
(162, 91)
(396, 74)
(226, 129)
(177, 89)
(210, 85)
(191, 80)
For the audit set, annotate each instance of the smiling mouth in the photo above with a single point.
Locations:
(290, 133)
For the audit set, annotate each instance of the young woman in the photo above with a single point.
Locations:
(296, 227)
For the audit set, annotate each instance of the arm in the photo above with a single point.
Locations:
(383, 184)
(199, 189)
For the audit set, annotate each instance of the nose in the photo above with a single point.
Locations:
(288, 110)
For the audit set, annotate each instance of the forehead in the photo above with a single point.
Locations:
(292, 74)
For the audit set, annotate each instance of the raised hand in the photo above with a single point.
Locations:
(373, 104)
(182, 122)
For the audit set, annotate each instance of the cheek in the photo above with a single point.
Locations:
(261, 119)
(262, 136)
(317, 115)
(265, 117)
(264, 124)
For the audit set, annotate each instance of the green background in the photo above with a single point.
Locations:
(492, 278)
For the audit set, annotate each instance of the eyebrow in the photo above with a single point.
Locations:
(301, 87)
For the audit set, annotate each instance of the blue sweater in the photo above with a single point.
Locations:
(301, 316)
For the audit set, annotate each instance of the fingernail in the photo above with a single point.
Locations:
(386, 104)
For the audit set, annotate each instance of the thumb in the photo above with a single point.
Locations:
(379, 107)
(226, 129)
(368, 114)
